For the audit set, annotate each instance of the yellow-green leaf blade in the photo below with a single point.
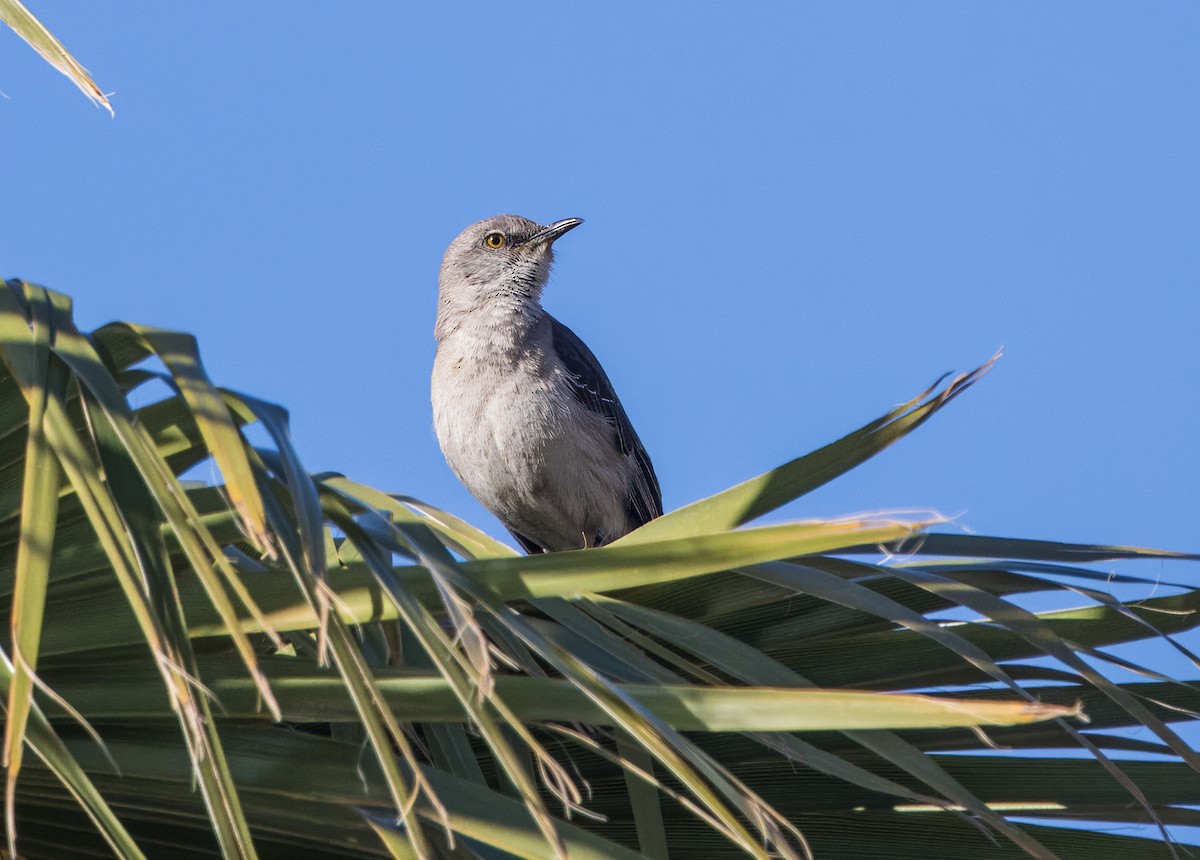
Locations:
(24, 24)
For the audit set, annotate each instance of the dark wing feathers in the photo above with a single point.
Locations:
(594, 391)
(530, 547)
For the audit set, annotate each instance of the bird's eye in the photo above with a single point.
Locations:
(494, 240)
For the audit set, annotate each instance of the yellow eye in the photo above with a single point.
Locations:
(494, 240)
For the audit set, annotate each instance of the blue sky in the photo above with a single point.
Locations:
(797, 216)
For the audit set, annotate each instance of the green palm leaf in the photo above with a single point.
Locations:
(14, 14)
(343, 672)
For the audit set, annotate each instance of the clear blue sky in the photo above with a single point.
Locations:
(797, 216)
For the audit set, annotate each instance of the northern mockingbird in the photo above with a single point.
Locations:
(524, 413)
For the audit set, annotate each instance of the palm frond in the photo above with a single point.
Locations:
(349, 673)
(24, 24)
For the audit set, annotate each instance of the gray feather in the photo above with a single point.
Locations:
(524, 413)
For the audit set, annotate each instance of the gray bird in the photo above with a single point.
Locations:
(524, 413)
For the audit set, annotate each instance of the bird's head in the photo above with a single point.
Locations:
(503, 260)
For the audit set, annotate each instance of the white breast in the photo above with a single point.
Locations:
(514, 433)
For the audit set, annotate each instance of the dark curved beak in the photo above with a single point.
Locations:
(552, 231)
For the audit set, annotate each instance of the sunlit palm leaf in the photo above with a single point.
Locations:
(29, 28)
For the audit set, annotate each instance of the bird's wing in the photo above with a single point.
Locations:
(594, 391)
(531, 547)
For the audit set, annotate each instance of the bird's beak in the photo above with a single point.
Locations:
(552, 231)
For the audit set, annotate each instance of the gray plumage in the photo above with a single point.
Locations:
(524, 413)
